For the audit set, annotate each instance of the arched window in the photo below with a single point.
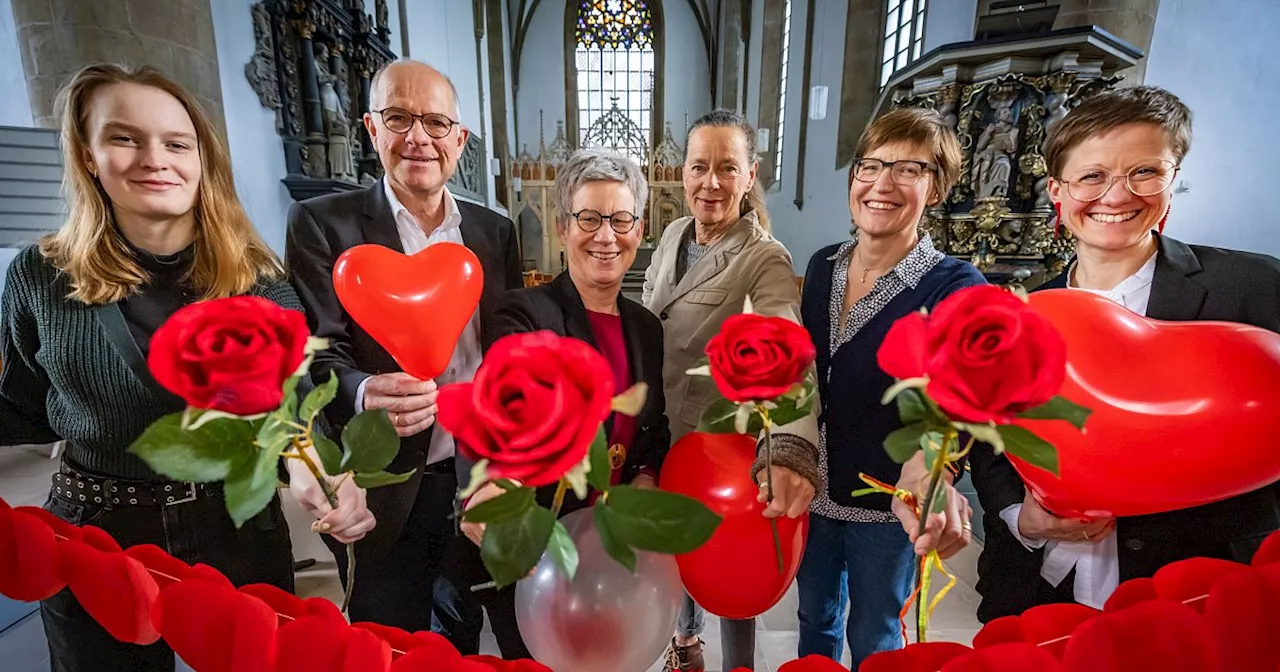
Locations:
(615, 65)
(903, 36)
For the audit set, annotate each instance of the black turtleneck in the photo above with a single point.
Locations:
(161, 296)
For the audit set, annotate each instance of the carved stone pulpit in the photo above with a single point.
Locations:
(1003, 96)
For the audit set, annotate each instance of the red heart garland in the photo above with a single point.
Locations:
(1189, 581)
(1012, 657)
(816, 663)
(1268, 552)
(425, 659)
(1240, 611)
(321, 644)
(166, 569)
(115, 589)
(27, 550)
(1131, 592)
(289, 607)
(1159, 635)
(926, 657)
(1048, 625)
(61, 528)
(500, 665)
(215, 628)
(403, 642)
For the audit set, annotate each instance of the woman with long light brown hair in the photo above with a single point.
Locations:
(154, 224)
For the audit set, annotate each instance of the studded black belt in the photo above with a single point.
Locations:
(75, 486)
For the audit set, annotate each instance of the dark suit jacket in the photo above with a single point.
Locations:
(320, 230)
(558, 307)
(1192, 283)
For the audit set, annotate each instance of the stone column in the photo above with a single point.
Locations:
(1133, 21)
(58, 37)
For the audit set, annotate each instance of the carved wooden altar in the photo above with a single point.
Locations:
(1003, 96)
(312, 65)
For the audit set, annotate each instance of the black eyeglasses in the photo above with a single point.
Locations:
(401, 121)
(905, 173)
(590, 221)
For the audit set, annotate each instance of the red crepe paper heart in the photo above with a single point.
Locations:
(99, 539)
(403, 642)
(289, 607)
(424, 659)
(926, 657)
(816, 663)
(215, 628)
(1131, 592)
(320, 644)
(61, 528)
(27, 551)
(1189, 581)
(1156, 437)
(500, 665)
(1241, 614)
(1160, 635)
(115, 589)
(414, 306)
(1048, 625)
(166, 569)
(1012, 657)
(1268, 552)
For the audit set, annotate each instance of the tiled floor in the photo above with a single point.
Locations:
(24, 479)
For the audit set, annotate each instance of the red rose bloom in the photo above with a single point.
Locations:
(988, 354)
(230, 355)
(758, 358)
(533, 408)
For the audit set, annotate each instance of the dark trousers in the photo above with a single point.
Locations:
(462, 620)
(400, 588)
(195, 531)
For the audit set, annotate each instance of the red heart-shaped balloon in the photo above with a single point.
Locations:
(1169, 400)
(1047, 626)
(1269, 552)
(715, 469)
(321, 644)
(115, 589)
(215, 628)
(923, 657)
(27, 551)
(414, 306)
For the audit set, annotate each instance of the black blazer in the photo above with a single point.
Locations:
(1191, 283)
(320, 230)
(558, 307)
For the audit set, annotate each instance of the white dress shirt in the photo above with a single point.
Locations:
(1097, 564)
(466, 354)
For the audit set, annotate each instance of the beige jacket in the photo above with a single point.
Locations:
(747, 261)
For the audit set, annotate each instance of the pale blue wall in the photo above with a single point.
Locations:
(15, 105)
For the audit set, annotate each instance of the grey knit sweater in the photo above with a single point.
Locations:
(73, 371)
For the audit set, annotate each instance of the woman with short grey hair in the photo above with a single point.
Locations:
(601, 197)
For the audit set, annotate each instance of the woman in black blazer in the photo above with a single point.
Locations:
(1112, 161)
(601, 196)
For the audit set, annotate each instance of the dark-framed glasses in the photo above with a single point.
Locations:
(1145, 179)
(401, 121)
(906, 173)
(590, 221)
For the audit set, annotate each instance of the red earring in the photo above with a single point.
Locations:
(1057, 222)
(1160, 226)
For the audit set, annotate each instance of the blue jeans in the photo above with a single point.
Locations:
(868, 566)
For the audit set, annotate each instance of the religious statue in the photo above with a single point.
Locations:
(993, 156)
(1055, 104)
(261, 69)
(335, 113)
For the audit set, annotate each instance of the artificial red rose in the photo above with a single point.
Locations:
(231, 355)
(987, 353)
(533, 408)
(759, 358)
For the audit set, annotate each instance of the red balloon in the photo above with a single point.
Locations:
(1169, 401)
(414, 306)
(735, 574)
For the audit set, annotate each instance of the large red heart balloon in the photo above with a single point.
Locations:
(1179, 409)
(414, 306)
(735, 574)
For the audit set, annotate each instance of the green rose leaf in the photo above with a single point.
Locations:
(506, 506)
(619, 551)
(902, 443)
(720, 416)
(792, 408)
(330, 454)
(289, 406)
(369, 442)
(1029, 448)
(601, 469)
(252, 483)
(202, 455)
(318, 398)
(911, 406)
(562, 550)
(378, 479)
(513, 546)
(1059, 408)
(664, 522)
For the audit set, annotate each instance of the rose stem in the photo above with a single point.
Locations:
(301, 444)
(768, 475)
(935, 478)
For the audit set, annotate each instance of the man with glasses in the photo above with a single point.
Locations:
(414, 124)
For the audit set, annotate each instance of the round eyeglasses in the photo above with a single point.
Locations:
(1145, 179)
(906, 173)
(401, 121)
(590, 221)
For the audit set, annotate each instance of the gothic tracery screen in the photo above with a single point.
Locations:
(615, 67)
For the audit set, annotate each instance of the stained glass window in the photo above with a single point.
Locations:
(615, 66)
(903, 36)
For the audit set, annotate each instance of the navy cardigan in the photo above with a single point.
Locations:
(852, 384)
